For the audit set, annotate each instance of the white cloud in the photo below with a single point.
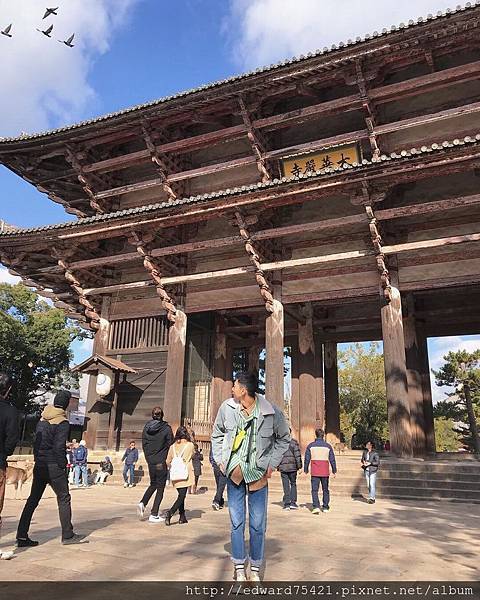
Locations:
(265, 31)
(5, 276)
(44, 83)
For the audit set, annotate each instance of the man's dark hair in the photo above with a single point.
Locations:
(182, 434)
(132, 442)
(249, 381)
(319, 433)
(157, 413)
(5, 384)
(372, 443)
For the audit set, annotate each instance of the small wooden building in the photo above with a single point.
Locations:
(330, 198)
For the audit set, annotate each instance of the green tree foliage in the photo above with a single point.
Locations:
(461, 371)
(34, 344)
(447, 438)
(363, 402)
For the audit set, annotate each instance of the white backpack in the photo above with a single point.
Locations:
(178, 467)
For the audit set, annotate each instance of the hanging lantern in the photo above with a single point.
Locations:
(104, 383)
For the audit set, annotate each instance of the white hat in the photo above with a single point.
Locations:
(83, 443)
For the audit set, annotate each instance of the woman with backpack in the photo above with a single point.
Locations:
(179, 460)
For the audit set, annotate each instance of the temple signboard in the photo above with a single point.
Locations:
(336, 156)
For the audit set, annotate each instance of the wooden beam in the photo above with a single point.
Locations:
(423, 244)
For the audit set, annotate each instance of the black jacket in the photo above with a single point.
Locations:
(157, 438)
(51, 439)
(292, 459)
(374, 460)
(8, 431)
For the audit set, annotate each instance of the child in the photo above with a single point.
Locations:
(106, 469)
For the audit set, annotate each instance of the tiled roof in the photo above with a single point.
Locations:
(325, 51)
(141, 210)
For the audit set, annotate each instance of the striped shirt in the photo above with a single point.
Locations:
(242, 456)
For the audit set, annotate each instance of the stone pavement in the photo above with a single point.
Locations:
(392, 540)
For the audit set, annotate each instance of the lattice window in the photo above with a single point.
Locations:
(145, 332)
(201, 401)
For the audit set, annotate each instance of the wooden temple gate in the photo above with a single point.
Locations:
(332, 198)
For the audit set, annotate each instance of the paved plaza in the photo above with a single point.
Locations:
(392, 540)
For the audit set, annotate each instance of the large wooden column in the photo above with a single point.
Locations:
(228, 384)
(177, 337)
(396, 376)
(307, 381)
(332, 401)
(274, 344)
(100, 346)
(320, 412)
(414, 379)
(219, 367)
(429, 421)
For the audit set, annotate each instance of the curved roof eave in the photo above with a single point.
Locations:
(254, 187)
(335, 48)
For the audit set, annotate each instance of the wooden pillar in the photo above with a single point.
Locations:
(320, 411)
(254, 358)
(228, 384)
(414, 379)
(428, 418)
(111, 443)
(332, 401)
(307, 383)
(219, 367)
(396, 376)
(177, 336)
(274, 345)
(100, 346)
(295, 398)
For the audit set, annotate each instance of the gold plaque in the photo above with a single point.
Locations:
(337, 156)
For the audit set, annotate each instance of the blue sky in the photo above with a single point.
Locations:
(131, 51)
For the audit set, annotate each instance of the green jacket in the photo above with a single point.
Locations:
(273, 435)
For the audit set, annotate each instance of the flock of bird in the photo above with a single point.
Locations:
(46, 32)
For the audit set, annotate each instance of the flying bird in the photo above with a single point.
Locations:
(7, 30)
(47, 32)
(68, 42)
(50, 11)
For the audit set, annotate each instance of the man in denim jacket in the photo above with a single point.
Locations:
(249, 438)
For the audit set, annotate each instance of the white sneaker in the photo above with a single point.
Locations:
(155, 519)
(240, 574)
(254, 574)
(141, 510)
(7, 555)
(125, 484)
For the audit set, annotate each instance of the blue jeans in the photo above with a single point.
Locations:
(128, 470)
(80, 470)
(316, 481)
(371, 483)
(257, 517)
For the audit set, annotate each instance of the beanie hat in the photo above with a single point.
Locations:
(62, 399)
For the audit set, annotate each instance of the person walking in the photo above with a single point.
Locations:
(106, 469)
(179, 460)
(157, 437)
(80, 460)
(370, 463)
(50, 469)
(197, 460)
(9, 433)
(130, 457)
(319, 457)
(220, 482)
(291, 463)
(249, 438)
